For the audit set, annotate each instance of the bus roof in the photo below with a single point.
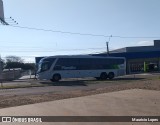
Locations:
(81, 56)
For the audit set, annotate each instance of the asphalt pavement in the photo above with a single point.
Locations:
(134, 102)
(65, 85)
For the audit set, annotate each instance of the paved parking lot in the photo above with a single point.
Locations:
(71, 88)
(25, 86)
(136, 102)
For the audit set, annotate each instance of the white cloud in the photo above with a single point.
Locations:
(145, 43)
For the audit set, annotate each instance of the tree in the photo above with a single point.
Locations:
(28, 66)
(14, 59)
(17, 62)
(2, 63)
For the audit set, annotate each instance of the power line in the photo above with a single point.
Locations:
(137, 37)
(64, 32)
(22, 47)
(56, 50)
(17, 50)
(84, 34)
(26, 47)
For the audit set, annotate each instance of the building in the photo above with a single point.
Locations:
(140, 58)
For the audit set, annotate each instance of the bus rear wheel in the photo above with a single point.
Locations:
(56, 78)
(110, 75)
(103, 76)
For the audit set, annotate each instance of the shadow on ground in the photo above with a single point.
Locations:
(73, 82)
(65, 83)
(124, 79)
(85, 82)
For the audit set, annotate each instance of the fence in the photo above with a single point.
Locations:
(11, 74)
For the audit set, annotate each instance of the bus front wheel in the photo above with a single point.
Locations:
(103, 76)
(56, 77)
(110, 75)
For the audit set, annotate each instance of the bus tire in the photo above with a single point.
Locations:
(110, 75)
(56, 77)
(103, 76)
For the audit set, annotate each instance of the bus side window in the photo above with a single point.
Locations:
(57, 67)
(84, 64)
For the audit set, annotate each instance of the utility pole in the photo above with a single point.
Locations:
(1, 71)
(107, 48)
(2, 19)
(107, 44)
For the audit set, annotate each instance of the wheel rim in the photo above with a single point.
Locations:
(111, 75)
(103, 76)
(56, 77)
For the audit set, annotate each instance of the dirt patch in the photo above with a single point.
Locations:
(17, 100)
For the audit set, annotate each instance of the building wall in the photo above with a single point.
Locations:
(142, 49)
(137, 65)
(137, 59)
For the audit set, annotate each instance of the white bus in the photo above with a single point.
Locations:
(55, 68)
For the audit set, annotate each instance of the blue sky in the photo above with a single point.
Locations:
(126, 18)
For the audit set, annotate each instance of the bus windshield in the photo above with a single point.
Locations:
(45, 65)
